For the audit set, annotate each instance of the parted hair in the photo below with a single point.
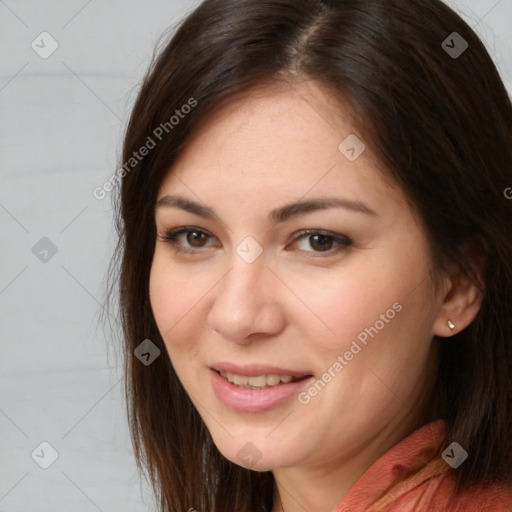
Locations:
(442, 126)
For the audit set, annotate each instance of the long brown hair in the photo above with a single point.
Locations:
(441, 123)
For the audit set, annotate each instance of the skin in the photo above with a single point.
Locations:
(269, 147)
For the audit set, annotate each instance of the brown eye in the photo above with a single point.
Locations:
(196, 238)
(321, 242)
(187, 239)
(314, 243)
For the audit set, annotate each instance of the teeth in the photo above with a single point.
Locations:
(261, 381)
(258, 382)
(239, 380)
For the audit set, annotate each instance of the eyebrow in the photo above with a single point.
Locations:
(277, 215)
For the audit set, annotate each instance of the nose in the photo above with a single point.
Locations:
(247, 303)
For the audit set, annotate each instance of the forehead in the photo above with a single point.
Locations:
(281, 138)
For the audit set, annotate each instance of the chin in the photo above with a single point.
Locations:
(254, 455)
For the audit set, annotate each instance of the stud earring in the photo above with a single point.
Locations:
(451, 325)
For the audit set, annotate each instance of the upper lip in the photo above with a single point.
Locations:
(253, 370)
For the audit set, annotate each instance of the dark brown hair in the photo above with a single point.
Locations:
(441, 124)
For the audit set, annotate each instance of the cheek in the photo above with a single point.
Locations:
(380, 293)
(336, 305)
(174, 301)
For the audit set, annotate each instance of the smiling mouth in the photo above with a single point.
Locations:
(264, 381)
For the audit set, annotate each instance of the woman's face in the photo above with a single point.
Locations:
(327, 306)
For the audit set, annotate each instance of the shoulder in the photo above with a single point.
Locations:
(437, 494)
(413, 477)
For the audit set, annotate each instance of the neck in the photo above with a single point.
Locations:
(321, 488)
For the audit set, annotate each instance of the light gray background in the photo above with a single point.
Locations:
(61, 124)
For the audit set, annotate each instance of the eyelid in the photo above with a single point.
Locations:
(336, 236)
(170, 236)
(343, 241)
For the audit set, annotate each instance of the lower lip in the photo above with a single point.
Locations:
(254, 400)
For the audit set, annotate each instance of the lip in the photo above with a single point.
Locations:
(253, 370)
(256, 400)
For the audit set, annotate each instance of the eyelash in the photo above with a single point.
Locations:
(343, 241)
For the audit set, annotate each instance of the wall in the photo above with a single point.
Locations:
(60, 131)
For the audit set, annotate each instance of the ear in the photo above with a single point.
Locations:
(462, 296)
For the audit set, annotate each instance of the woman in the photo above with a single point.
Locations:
(315, 261)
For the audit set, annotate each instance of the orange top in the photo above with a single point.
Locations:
(411, 477)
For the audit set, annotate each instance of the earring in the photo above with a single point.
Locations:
(451, 325)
